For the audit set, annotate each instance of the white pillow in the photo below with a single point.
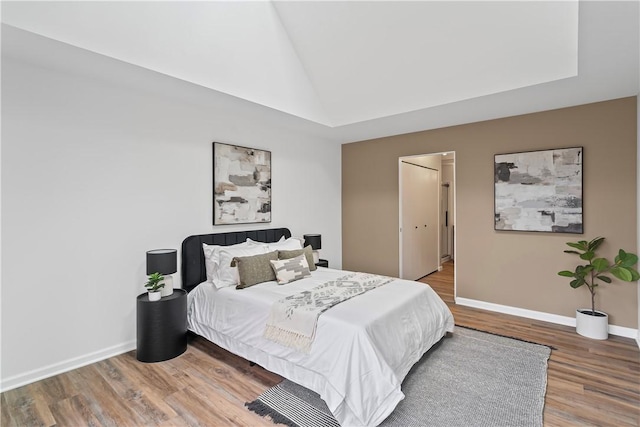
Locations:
(253, 242)
(290, 244)
(225, 275)
(212, 256)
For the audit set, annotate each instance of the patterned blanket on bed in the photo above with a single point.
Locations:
(292, 321)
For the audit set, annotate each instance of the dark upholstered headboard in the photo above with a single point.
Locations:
(193, 270)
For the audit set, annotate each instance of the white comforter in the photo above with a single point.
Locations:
(363, 349)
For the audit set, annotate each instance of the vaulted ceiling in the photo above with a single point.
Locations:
(365, 69)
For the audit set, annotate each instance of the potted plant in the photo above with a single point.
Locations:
(154, 284)
(593, 323)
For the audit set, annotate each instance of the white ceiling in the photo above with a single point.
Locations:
(359, 70)
(368, 60)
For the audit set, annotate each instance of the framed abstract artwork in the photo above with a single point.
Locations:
(241, 184)
(539, 191)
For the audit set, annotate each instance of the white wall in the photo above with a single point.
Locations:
(95, 173)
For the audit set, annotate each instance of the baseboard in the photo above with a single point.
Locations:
(64, 366)
(621, 331)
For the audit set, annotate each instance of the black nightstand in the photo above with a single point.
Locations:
(322, 263)
(161, 327)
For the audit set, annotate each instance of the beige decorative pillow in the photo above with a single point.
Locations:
(254, 269)
(307, 251)
(288, 270)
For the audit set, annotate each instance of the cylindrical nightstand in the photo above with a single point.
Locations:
(161, 327)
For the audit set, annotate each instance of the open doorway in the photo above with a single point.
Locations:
(447, 220)
(427, 237)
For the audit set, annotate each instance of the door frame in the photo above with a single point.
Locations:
(455, 214)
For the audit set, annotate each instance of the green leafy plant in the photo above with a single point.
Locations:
(598, 269)
(154, 282)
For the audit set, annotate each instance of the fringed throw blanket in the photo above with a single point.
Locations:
(292, 320)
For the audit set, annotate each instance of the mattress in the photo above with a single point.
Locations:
(363, 348)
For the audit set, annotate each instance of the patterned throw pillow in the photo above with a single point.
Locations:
(307, 251)
(288, 270)
(254, 269)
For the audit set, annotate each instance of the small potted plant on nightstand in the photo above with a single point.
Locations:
(154, 285)
(590, 322)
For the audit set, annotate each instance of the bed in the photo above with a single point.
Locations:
(363, 347)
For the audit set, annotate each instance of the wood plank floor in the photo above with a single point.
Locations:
(590, 383)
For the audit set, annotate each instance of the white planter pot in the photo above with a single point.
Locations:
(155, 296)
(590, 326)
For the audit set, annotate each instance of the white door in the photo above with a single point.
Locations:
(419, 227)
(431, 196)
(411, 251)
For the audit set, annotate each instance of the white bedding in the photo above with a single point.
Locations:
(363, 349)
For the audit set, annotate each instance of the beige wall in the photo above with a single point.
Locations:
(510, 268)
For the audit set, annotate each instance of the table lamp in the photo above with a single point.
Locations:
(163, 261)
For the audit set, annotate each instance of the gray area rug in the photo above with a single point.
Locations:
(470, 378)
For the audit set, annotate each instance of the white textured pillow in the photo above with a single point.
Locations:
(212, 257)
(225, 275)
(288, 270)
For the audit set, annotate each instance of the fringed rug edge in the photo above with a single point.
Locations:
(264, 410)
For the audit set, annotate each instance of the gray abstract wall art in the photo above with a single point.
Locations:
(539, 191)
(241, 184)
